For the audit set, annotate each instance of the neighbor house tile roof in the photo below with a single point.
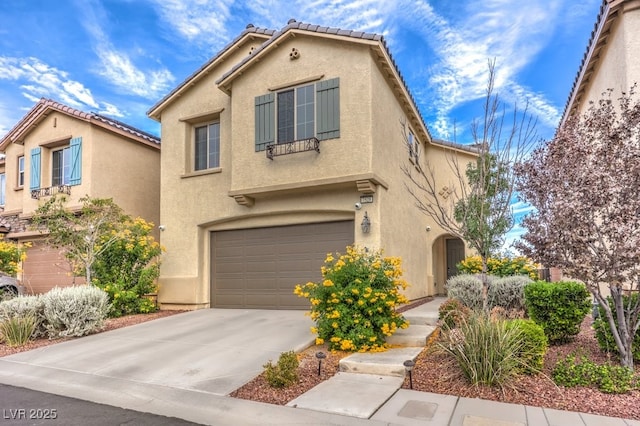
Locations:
(44, 106)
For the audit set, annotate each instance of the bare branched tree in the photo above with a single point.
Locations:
(475, 204)
(584, 187)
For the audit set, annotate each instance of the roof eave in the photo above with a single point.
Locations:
(156, 110)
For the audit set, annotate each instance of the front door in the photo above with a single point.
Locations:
(455, 255)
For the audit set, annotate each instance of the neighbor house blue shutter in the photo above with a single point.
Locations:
(76, 161)
(34, 177)
(328, 109)
(265, 121)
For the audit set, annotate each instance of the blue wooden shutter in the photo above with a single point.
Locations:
(76, 161)
(34, 177)
(265, 121)
(328, 109)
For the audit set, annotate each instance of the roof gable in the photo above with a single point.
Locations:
(45, 106)
(375, 42)
(609, 12)
(249, 33)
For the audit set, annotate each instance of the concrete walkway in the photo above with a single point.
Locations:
(185, 365)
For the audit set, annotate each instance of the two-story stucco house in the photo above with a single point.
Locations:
(283, 147)
(57, 149)
(611, 60)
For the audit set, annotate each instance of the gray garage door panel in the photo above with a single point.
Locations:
(258, 268)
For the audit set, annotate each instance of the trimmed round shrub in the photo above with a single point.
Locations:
(452, 313)
(533, 347)
(467, 289)
(284, 373)
(559, 308)
(354, 306)
(508, 292)
(25, 306)
(75, 311)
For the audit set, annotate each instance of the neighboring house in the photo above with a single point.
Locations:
(279, 150)
(611, 60)
(55, 149)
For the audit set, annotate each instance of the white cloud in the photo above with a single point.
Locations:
(197, 20)
(118, 69)
(37, 79)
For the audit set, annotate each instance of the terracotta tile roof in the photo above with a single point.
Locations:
(249, 30)
(40, 111)
(608, 11)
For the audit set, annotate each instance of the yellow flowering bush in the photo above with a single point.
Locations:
(501, 267)
(128, 268)
(354, 306)
(11, 255)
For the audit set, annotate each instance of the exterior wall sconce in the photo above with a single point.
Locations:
(366, 224)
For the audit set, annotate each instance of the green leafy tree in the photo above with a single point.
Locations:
(476, 206)
(83, 234)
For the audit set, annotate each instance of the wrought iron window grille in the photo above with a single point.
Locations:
(302, 145)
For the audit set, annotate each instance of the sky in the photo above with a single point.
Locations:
(119, 57)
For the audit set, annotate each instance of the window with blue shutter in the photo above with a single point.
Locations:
(75, 177)
(34, 176)
(265, 121)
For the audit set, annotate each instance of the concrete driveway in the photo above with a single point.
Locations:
(212, 350)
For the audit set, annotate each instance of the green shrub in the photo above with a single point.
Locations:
(508, 292)
(467, 289)
(354, 307)
(500, 267)
(603, 332)
(284, 373)
(23, 306)
(75, 311)
(487, 350)
(128, 268)
(452, 313)
(533, 347)
(559, 307)
(17, 330)
(572, 371)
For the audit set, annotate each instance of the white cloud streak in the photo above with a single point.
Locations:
(37, 80)
(116, 66)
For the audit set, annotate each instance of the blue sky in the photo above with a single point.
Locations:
(119, 57)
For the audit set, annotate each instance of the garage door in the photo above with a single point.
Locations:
(258, 268)
(46, 267)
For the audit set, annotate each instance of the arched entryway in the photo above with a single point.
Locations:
(447, 251)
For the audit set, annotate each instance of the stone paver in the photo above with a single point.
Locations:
(415, 335)
(562, 418)
(413, 408)
(594, 420)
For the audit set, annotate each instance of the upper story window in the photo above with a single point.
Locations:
(66, 165)
(303, 112)
(21, 171)
(207, 146)
(61, 166)
(3, 188)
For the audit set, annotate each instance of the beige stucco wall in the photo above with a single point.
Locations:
(618, 66)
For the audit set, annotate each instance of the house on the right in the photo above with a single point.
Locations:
(612, 59)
